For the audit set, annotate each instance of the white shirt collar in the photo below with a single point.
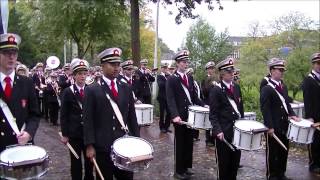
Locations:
(276, 82)
(317, 74)
(227, 84)
(79, 87)
(162, 73)
(2, 76)
(181, 74)
(128, 78)
(108, 81)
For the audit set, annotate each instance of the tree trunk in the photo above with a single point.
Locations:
(135, 31)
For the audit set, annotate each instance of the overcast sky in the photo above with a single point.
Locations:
(236, 16)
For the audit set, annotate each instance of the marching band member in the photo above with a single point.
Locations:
(52, 92)
(142, 82)
(206, 84)
(236, 76)
(171, 68)
(39, 82)
(72, 121)
(226, 106)
(101, 122)
(180, 94)
(276, 110)
(164, 121)
(19, 94)
(127, 72)
(311, 97)
(65, 80)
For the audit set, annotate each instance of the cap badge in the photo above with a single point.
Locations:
(11, 39)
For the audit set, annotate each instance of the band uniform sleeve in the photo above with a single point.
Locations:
(151, 78)
(308, 99)
(132, 119)
(266, 105)
(88, 116)
(172, 106)
(214, 103)
(33, 119)
(64, 120)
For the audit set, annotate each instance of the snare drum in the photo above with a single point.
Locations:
(23, 162)
(244, 137)
(298, 108)
(131, 153)
(250, 116)
(300, 132)
(144, 114)
(199, 118)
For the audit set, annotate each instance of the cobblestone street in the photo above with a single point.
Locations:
(161, 167)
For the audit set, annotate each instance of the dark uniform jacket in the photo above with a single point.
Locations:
(71, 113)
(101, 126)
(51, 94)
(206, 84)
(142, 83)
(311, 97)
(161, 81)
(23, 106)
(222, 115)
(177, 100)
(63, 83)
(37, 81)
(274, 114)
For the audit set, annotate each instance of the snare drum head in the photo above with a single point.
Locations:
(143, 106)
(248, 125)
(198, 109)
(249, 114)
(132, 147)
(302, 123)
(294, 105)
(22, 153)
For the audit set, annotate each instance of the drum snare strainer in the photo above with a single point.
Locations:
(131, 153)
(23, 162)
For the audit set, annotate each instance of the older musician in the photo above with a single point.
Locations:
(101, 123)
(52, 92)
(72, 121)
(22, 70)
(276, 110)
(226, 107)
(311, 97)
(142, 82)
(19, 94)
(65, 79)
(181, 93)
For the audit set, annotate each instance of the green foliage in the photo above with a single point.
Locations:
(205, 44)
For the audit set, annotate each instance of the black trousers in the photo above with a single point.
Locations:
(183, 148)
(164, 121)
(314, 151)
(228, 161)
(145, 99)
(108, 170)
(53, 112)
(76, 164)
(209, 136)
(276, 156)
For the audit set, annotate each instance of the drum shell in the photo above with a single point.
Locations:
(250, 116)
(124, 163)
(144, 115)
(298, 109)
(199, 119)
(299, 134)
(246, 140)
(31, 169)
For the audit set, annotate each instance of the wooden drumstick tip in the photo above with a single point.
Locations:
(97, 168)
(70, 148)
(279, 141)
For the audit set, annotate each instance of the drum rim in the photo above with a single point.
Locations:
(127, 136)
(16, 164)
(296, 125)
(193, 110)
(248, 132)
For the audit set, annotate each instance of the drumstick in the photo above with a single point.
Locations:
(97, 168)
(71, 148)
(228, 144)
(279, 141)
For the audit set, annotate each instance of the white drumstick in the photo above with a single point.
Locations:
(228, 144)
(71, 148)
(97, 168)
(279, 141)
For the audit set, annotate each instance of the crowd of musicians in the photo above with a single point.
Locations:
(83, 97)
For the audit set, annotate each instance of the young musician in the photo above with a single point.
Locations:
(19, 94)
(276, 111)
(101, 124)
(72, 121)
(226, 106)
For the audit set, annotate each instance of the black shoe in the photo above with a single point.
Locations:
(189, 172)
(196, 139)
(240, 166)
(315, 170)
(163, 130)
(209, 144)
(169, 131)
(180, 176)
(284, 178)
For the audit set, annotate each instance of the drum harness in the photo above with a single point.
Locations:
(280, 96)
(185, 90)
(8, 115)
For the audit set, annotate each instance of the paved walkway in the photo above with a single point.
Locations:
(161, 167)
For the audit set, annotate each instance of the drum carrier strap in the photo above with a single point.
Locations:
(72, 90)
(281, 97)
(118, 113)
(9, 117)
